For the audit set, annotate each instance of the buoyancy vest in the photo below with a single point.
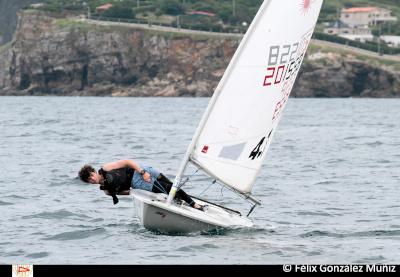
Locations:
(116, 181)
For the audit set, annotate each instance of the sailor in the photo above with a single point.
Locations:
(117, 178)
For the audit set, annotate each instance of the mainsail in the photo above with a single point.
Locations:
(232, 139)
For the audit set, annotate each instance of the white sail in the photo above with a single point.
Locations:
(237, 128)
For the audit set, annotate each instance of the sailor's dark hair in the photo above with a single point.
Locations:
(85, 171)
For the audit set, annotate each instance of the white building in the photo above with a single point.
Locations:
(392, 41)
(37, 5)
(339, 27)
(359, 33)
(354, 23)
(360, 38)
(366, 16)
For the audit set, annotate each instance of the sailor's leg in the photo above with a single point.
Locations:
(182, 195)
(160, 187)
(166, 186)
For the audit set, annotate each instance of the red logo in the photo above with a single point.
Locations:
(205, 149)
(23, 269)
(305, 6)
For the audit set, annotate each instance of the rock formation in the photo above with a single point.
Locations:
(50, 56)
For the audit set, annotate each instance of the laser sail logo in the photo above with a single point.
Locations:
(22, 271)
(305, 6)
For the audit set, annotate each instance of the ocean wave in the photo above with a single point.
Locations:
(38, 255)
(60, 214)
(373, 233)
(76, 235)
(315, 213)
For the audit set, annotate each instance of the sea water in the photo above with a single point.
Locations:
(329, 186)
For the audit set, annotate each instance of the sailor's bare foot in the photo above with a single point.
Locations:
(200, 207)
(197, 206)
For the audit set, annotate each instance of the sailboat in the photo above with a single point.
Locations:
(236, 130)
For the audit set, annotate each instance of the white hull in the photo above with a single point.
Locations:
(155, 214)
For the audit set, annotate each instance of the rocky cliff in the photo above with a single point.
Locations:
(67, 57)
(331, 74)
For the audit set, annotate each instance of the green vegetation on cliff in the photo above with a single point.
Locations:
(229, 16)
(220, 15)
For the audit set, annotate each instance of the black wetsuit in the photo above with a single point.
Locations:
(164, 185)
(116, 181)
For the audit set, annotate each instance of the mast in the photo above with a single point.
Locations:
(213, 100)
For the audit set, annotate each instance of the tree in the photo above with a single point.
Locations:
(172, 7)
(120, 11)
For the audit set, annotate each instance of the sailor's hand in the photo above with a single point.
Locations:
(147, 177)
(115, 200)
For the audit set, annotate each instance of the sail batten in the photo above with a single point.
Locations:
(235, 133)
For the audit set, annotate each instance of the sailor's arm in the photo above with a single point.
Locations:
(127, 163)
(122, 164)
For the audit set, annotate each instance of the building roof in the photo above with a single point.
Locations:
(104, 7)
(360, 10)
(202, 13)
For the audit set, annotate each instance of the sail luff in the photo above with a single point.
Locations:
(213, 101)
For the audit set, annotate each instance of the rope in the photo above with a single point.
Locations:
(251, 210)
(160, 187)
(188, 178)
(213, 182)
(222, 187)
